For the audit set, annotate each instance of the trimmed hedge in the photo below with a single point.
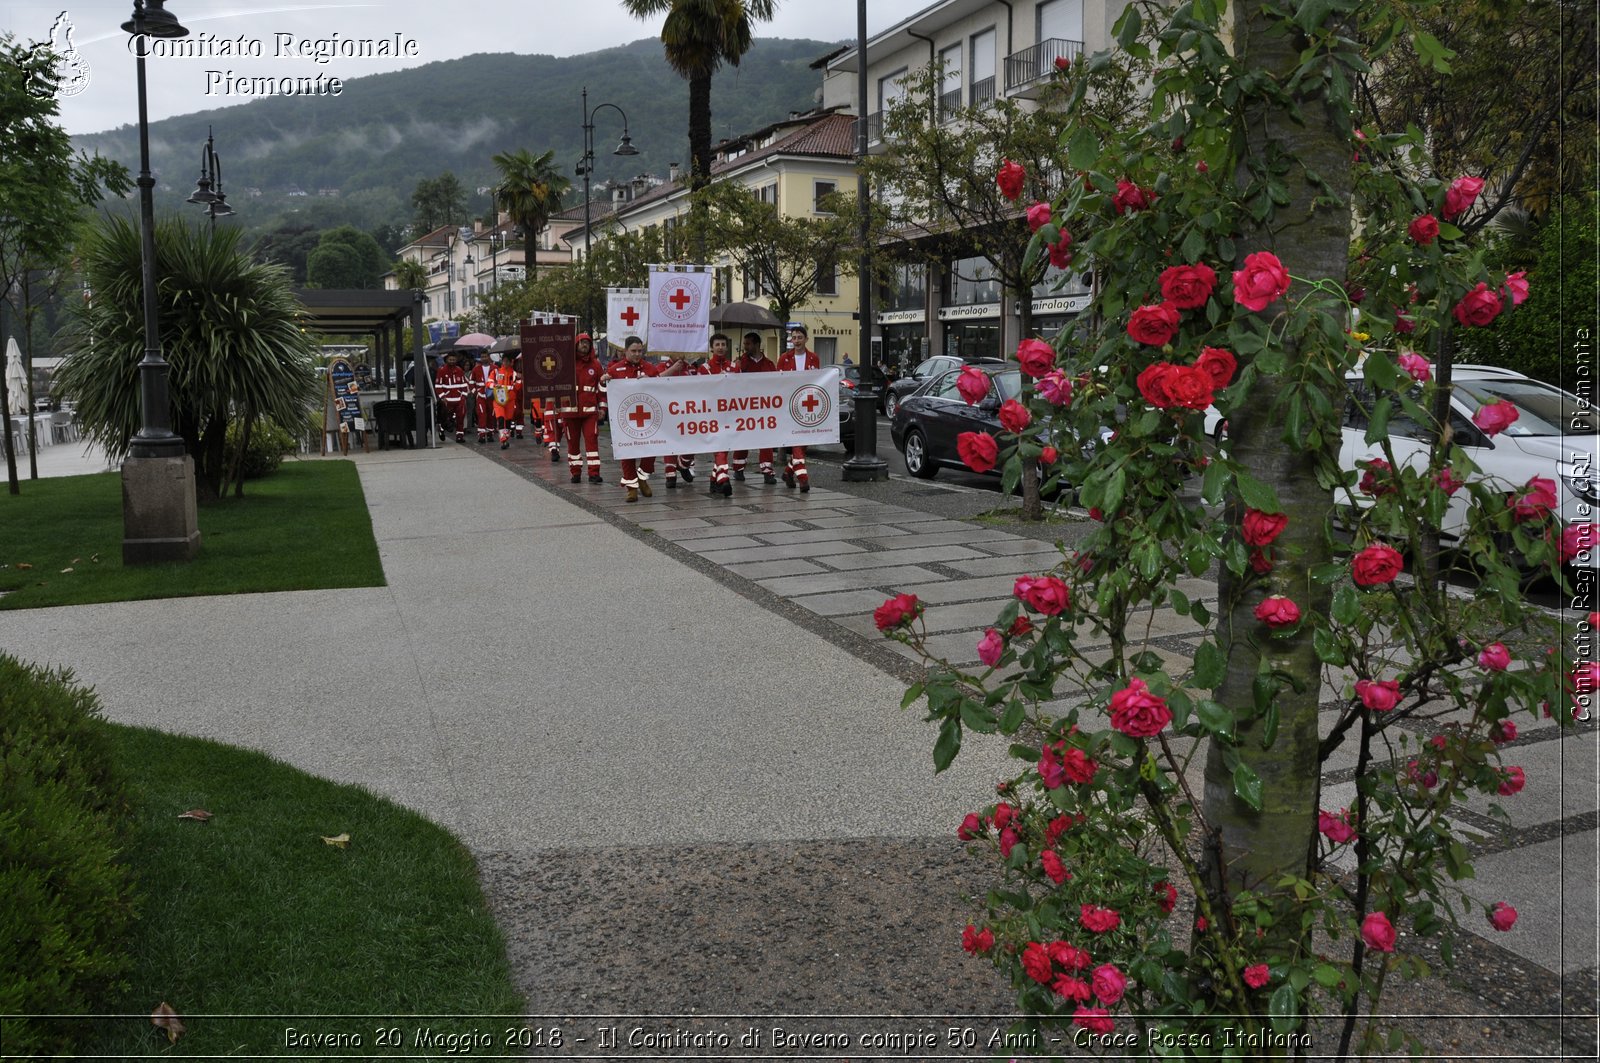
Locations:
(269, 445)
(68, 899)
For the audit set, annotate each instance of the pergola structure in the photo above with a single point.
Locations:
(384, 316)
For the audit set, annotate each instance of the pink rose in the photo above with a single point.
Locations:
(1054, 388)
(1424, 230)
(1502, 732)
(1010, 179)
(1257, 975)
(1070, 988)
(1035, 357)
(1511, 782)
(1095, 1020)
(1502, 916)
(1130, 197)
(1138, 713)
(1495, 657)
(1098, 920)
(896, 611)
(1260, 529)
(1054, 869)
(1496, 417)
(1537, 499)
(1036, 963)
(977, 941)
(1061, 250)
(1153, 326)
(1586, 677)
(1478, 307)
(1038, 216)
(1403, 323)
(1109, 983)
(1377, 932)
(1461, 194)
(1336, 828)
(1218, 364)
(1446, 479)
(1014, 416)
(1044, 594)
(973, 384)
(1263, 280)
(1188, 287)
(1166, 896)
(1378, 695)
(971, 827)
(1517, 287)
(978, 450)
(1278, 611)
(1378, 563)
(990, 647)
(1416, 366)
(1374, 480)
(1577, 540)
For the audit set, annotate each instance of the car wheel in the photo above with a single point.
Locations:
(891, 405)
(918, 463)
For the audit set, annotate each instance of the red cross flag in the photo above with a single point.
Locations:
(679, 310)
(627, 314)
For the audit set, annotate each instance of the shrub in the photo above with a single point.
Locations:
(269, 445)
(68, 897)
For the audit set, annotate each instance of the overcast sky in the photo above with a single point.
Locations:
(441, 29)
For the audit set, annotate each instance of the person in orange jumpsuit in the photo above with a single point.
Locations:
(450, 383)
(794, 359)
(631, 366)
(507, 397)
(719, 362)
(482, 379)
(580, 412)
(754, 360)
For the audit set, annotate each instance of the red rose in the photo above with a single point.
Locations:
(1056, 828)
(978, 450)
(896, 611)
(1049, 455)
(1038, 216)
(1152, 384)
(1260, 562)
(1371, 483)
(1262, 281)
(971, 827)
(1035, 357)
(1479, 306)
(1153, 325)
(1188, 287)
(1377, 932)
(1014, 416)
(977, 941)
(1109, 983)
(1219, 364)
(1494, 657)
(1461, 194)
(1138, 713)
(1495, 417)
(1010, 179)
(1051, 774)
(1189, 387)
(1130, 197)
(1020, 626)
(1078, 766)
(1061, 251)
(1070, 988)
(1336, 828)
(1278, 611)
(1403, 323)
(1002, 816)
(1512, 782)
(1502, 732)
(1446, 479)
(1095, 1020)
(1166, 896)
(1036, 962)
(1517, 287)
(1425, 230)
(1257, 975)
(1378, 563)
(1502, 916)
(1098, 920)
(1046, 594)
(973, 384)
(1054, 869)
(1008, 841)
(1260, 529)
(1068, 957)
(1379, 695)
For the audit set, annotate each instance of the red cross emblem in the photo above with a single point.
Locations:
(639, 416)
(679, 299)
(630, 315)
(810, 403)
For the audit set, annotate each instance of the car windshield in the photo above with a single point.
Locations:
(1009, 382)
(1543, 410)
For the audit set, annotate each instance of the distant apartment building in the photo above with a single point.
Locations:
(464, 263)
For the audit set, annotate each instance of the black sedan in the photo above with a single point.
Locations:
(926, 422)
(926, 370)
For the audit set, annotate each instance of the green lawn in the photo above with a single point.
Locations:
(303, 528)
(251, 912)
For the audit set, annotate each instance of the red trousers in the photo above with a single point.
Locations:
(631, 468)
(796, 465)
(765, 455)
(583, 442)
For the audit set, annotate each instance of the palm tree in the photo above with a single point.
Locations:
(530, 188)
(409, 273)
(699, 36)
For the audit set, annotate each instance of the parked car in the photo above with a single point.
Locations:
(1555, 436)
(926, 370)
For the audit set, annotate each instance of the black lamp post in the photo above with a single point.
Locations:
(208, 190)
(864, 464)
(155, 438)
(586, 168)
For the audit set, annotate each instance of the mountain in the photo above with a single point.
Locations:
(386, 131)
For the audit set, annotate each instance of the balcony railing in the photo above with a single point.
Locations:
(874, 127)
(982, 91)
(1035, 64)
(949, 104)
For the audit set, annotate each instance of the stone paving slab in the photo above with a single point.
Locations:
(681, 524)
(914, 541)
(769, 527)
(1014, 564)
(944, 592)
(773, 553)
(826, 535)
(933, 554)
(768, 569)
(821, 583)
(851, 604)
(1011, 544)
(967, 616)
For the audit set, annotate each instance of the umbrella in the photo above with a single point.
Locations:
(16, 378)
(744, 315)
(507, 343)
(475, 339)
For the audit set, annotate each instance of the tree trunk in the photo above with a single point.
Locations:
(1253, 848)
(5, 410)
(27, 364)
(1032, 507)
(530, 250)
(699, 155)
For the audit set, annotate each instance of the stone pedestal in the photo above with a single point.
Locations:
(158, 511)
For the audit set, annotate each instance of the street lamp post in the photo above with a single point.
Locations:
(586, 168)
(158, 501)
(208, 191)
(865, 464)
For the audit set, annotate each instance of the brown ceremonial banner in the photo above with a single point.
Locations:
(547, 360)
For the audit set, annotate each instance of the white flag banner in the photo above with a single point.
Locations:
(679, 310)
(627, 314)
(723, 411)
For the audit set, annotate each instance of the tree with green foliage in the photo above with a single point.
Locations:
(499, 309)
(409, 273)
(438, 201)
(346, 257)
(531, 188)
(229, 328)
(289, 245)
(45, 190)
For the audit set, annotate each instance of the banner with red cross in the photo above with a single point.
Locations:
(723, 411)
(680, 311)
(547, 357)
(627, 314)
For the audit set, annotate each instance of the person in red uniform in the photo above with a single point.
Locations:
(754, 360)
(507, 396)
(679, 462)
(482, 379)
(580, 411)
(632, 366)
(450, 383)
(719, 362)
(794, 359)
